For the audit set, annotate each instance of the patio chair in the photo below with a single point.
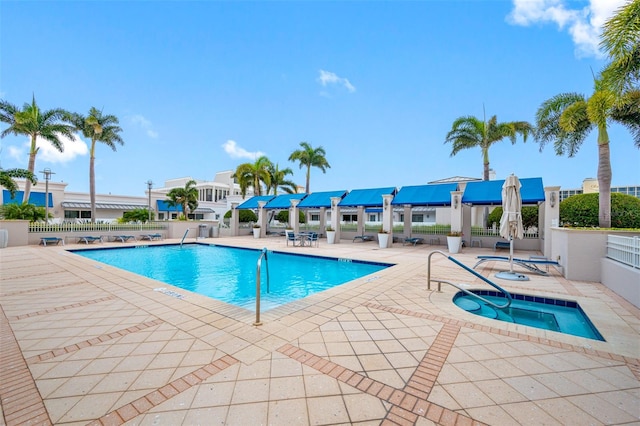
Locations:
(363, 238)
(313, 239)
(89, 239)
(123, 238)
(412, 240)
(51, 240)
(530, 264)
(293, 238)
(151, 237)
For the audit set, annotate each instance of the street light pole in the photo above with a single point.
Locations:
(47, 176)
(149, 186)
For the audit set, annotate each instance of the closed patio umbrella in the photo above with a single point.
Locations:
(511, 222)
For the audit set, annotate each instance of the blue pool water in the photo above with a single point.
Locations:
(564, 316)
(229, 274)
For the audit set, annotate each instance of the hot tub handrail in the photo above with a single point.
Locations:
(470, 293)
(258, 267)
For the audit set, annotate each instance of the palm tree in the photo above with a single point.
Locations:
(98, 128)
(309, 156)
(186, 197)
(252, 174)
(278, 180)
(471, 132)
(567, 119)
(33, 122)
(7, 176)
(621, 40)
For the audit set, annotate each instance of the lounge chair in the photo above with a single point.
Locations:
(123, 238)
(51, 240)
(363, 238)
(412, 240)
(501, 245)
(89, 239)
(530, 264)
(151, 237)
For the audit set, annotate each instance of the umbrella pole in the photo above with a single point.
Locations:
(511, 253)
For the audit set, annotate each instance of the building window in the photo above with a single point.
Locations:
(208, 196)
(85, 214)
(71, 214)
(417, 218)
(315, 217)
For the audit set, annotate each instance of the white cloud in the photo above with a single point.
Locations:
(141, 121)
(73, 148)
(584, 25)
(328, 77)
(234, 151)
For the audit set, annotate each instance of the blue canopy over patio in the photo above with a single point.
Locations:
(35, 198)
(489, 192)
(283, 201)
(425, 195)
(316, 200)
(366, 197)
(252, 203)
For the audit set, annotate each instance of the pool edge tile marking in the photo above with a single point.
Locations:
(61, 308)
(29, 407)
(34, 290)
(93, 341)
(154, 398)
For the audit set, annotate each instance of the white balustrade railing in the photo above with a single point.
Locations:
(624, 249)
(92, 227)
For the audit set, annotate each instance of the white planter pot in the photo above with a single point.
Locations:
(454, 244)
(4, 238)
(256, 232)
(331, 237)
(383, 240)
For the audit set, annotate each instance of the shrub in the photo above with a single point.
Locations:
(244, 216)
(19, 211)
(283, 216)
(137, 215)
(529, 217)
(582, 210)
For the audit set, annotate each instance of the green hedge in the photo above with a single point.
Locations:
(529, 216)
(244, 216)
(582, 211)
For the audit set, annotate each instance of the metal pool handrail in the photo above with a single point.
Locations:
(470, 293)
(184, 236)
(258, 267)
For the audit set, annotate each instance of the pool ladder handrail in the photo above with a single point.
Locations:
(258, 268)
(184, 236)
(470, 293)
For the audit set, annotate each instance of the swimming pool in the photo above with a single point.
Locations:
(229, 273)
(564, 316)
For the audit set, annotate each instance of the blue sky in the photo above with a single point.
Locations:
(200, 87)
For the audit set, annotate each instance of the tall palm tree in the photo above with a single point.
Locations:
(33, 122)
(471, 132)
(309, 156)
(186, 198)
(98, 128)
(567, 119)
(7, 176)
(252, 174)
(278, 179)
(621, 40)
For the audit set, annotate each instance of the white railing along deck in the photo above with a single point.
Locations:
(86, 227)
(624, 249)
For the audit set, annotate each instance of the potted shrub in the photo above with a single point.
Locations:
(383, 238)
(256, 231)
(331, 235)
(454, 241)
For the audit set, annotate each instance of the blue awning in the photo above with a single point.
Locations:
(373, 210)
(317, 200)
(252, 203)
(425, 195)
(283, 201)
(366, 197)
(35, 198)
(163, 206)
(489, 192)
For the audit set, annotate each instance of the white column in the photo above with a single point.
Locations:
(293, 216)
(407, 220)
(387, 217)
(323, 220)
(235, 225)
(361, 221)
(335, 216)
(262, 218)
(551, 217)
(456, 211)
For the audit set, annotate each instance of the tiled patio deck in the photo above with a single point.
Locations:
(82, 343)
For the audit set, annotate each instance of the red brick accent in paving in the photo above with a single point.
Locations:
(143, 404)
(19, 395)
(61, 308)
(635, 369)
(486, 329)
(33, 290)
(96, 340)
(400, 414)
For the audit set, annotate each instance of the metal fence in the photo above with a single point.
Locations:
(624, 249)
(94, 227)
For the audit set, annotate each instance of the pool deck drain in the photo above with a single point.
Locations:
(86, 345)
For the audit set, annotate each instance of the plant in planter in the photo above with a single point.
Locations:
(383, 238)
(256, 231)
(331, 234)
(454, 241)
